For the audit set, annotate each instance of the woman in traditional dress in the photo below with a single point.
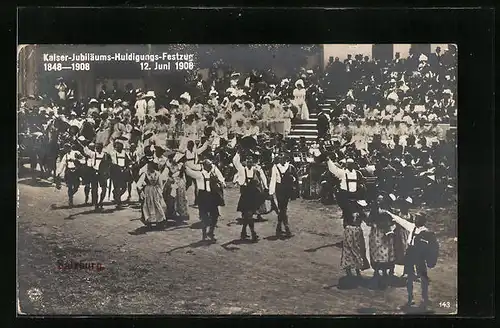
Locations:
(299, 94)
(381, 239)
(175, 191)
(353, 246)
(151, 185)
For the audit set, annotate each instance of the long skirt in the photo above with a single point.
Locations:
(382, 255)
(287, 127)
(154, 205)
(181, 203)
(354, 249)
(400, 244)
(303, 111)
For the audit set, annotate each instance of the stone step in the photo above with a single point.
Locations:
(307, 137)
(304, 132)
(310, 120)
(305, 125)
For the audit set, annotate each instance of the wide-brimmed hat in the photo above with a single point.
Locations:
(150, 94)
(186, 97)
(422, 58)
(299, 82)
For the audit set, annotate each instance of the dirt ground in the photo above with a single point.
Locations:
(172, 272)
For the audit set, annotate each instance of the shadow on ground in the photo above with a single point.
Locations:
(67, 207)
(36, 183)
(275, 238)
(197, 244)
(311, 250)
(166, 226)
(231, 245)
(92, 211)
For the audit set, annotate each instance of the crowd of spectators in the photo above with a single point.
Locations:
(378, 107)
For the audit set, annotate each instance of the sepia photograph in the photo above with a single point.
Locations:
(237, 179)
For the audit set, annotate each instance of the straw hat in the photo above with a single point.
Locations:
(299, 82)
(150, 94)
(186, 97)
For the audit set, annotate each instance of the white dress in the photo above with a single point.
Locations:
(140, 109)
(300, 102)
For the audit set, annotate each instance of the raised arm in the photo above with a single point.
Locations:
(178, 156)
(335, 169)
(237, 162)
(219, 176)
(193, 174)
(272, 183)
(141, 183)
(263, 177)
(407, 225)
(87, 151)
(61, 166)
(202, 148)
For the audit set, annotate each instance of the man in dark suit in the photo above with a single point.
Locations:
(421, 243)
(435, 58)
(323, 124)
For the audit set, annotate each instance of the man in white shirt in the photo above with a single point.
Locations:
(209, 181)
(68, 166)
(190, 155)
(120, 172)
(252, 180)
(283, 185)
(350, 183)
(98, 161)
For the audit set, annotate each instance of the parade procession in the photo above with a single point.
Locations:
(369, 142)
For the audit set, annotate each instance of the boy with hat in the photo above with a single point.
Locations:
(421, 254)
(284, 186)
(69, 164)
(98, 161)
(119, 171)
(209, 181)
(350, 180)
(251, 180)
